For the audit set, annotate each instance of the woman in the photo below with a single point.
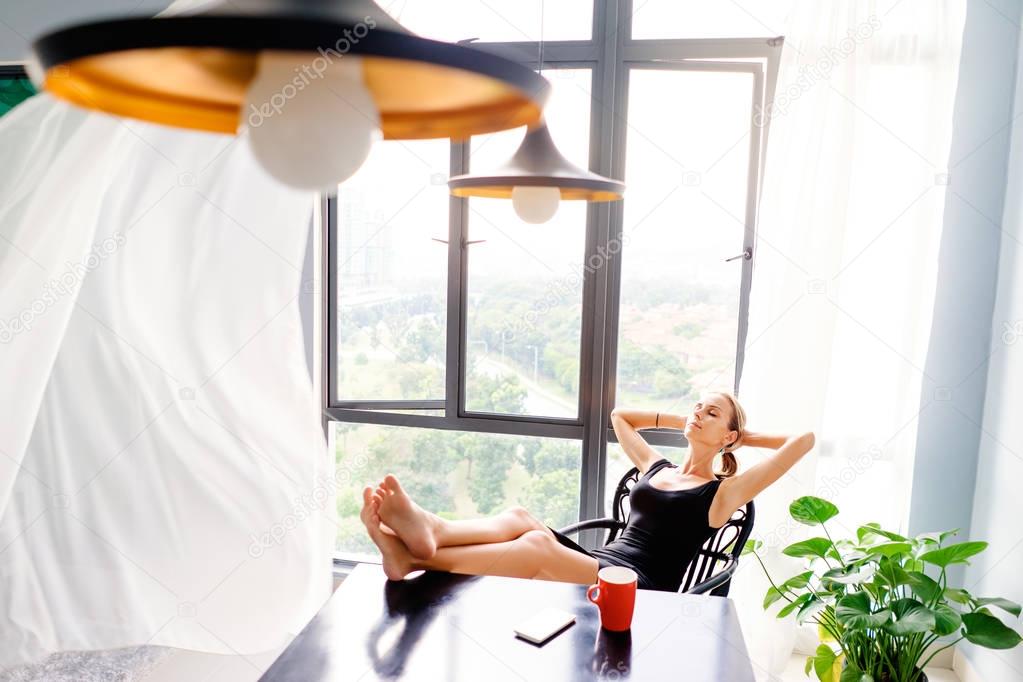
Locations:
(674, 509)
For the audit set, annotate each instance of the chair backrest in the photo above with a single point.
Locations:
(715, 553)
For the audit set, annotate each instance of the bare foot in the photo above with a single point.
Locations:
(397, 561)
(410, 522)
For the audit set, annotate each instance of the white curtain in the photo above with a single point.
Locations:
(163, 475)
(844, 276)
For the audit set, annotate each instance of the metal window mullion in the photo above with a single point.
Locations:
(454, 379)
(749, 233)
(698, 48)
(600, 294)
(473, 424)
(326, 314)
(390, 404)
(553, 51)
(591, 329)
(667, 437)
(330, 294)
(686, 65)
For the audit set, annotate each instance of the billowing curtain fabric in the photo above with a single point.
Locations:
(163, 475)
(844, 277)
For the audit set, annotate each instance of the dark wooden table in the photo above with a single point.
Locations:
(446, 627)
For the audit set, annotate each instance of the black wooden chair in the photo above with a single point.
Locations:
(712, 568)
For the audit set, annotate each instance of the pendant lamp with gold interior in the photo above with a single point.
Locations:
(537, 177)
(311, 82)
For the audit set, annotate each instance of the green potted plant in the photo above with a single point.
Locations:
(881, 599)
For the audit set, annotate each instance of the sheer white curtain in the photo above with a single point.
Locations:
(844, 274)
(163, 475)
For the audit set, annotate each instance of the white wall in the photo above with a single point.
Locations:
(998, 498)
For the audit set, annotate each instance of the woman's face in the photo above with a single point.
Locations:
(707, 423)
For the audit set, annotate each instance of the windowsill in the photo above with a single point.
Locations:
(794, 672)
(344, 565)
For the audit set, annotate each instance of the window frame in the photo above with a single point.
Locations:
(611, 56)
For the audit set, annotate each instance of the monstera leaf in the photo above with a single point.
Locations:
(989, 632)
(953, 554)
(812, 510)
(910, 617)
(814, 547)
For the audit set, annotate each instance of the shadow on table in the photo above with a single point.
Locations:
(413, 604)
(416, 601)
(612, 655)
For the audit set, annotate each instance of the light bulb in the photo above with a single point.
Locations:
(535, 204)
(310, 129)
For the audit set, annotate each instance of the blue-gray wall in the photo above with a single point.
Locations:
(969, 454)
(945, 469)
(998, 498)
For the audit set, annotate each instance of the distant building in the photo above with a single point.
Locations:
(366, 242)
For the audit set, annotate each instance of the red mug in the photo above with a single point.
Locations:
(615, 596)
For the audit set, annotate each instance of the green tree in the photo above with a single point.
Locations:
(491, 457)
(433, 460)
(423, 341)
(527, 453)
(490, 469)
(418, 381)
(554, 497)
(495, 394)
(557, 455)
(653, 371)
(397, 321)
(672, 382)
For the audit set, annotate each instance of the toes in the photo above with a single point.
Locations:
(391, 481)
(382, 493)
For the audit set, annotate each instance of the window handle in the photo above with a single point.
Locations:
(746, 254)
(471, 241)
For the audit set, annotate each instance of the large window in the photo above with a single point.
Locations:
(455, 474)
(477, 356)
(15, 87)
(524, 315)
(391, 274)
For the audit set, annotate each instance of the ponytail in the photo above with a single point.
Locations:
(728, 465)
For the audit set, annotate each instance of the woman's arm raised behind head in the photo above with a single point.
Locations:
(744, 486)
(625, 423)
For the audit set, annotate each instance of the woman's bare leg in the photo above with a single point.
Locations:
(533, 554)
(424, 532)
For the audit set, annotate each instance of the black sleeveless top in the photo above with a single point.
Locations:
(666, 529)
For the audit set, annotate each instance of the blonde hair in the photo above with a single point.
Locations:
(737, 423)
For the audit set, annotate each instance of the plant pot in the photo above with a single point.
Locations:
(837, 672)
(922, 678)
